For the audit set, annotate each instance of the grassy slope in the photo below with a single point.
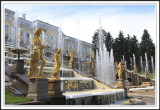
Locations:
(151, 75)
(10, 98)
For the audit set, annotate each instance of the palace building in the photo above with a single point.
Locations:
(51, 37)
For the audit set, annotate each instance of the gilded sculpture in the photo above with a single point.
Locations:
(120, 70)
(71, 56)
(37, 55)
(31, 66)
(134, 69)
(125, 64)
(93, 57)
(57, 64)
(146, 72)
(71, 59)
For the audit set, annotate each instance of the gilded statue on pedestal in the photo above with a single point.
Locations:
(71, 56)
(57, 64)
(134, 69)
(71, 59)
(125, 65)
(120, 70)
(92, 56)
(31, 66)
(37, 54)
(145, 70)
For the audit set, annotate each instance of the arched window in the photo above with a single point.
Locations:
(27, 34)
(21, 35)
(6, 36)
(70, 46)
(51, 39)
(6, 27)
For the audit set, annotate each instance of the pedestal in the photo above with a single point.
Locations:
(134, 79)
(147, 76)
(38, 89)
(70, 64)
(120, 83)
(17, 67)
(54, 90)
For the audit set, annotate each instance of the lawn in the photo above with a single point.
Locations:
(151, 75)
(10, 98)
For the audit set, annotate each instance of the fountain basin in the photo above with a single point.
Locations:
(94, 97)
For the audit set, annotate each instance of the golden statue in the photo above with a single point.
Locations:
(31, 66)
(120, 70)
(134, 69)
(125, 64)
(71, 56)
(57, 64)
(71, 59)
(145, 70)
(38, 51)
(92, 59)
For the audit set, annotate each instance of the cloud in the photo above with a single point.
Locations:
(113, 19)
(129, 23)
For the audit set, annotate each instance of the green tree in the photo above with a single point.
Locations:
(134, 50)
(108, 42)
(120, 47)
(95, 40)
(129, 53)
(147, 46)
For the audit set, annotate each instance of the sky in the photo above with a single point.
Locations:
(82, 20)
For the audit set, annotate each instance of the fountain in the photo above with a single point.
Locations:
(131, 63)
(141, 64)
(77, 88)
(79, 51)
(146, 62)
(90, 63)
(18, 64)
(146, 67)
(104, 62)
(79, 55)
(30, 38)
(153, 71)
(134, 61)
(16, 26)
